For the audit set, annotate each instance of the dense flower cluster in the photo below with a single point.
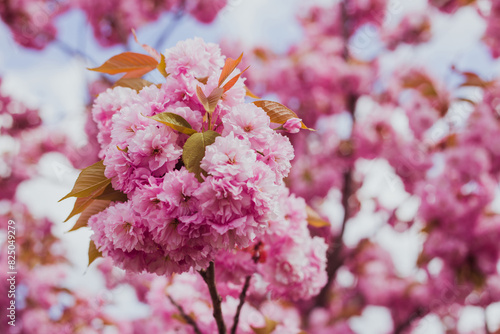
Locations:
(43, 301)
(289, 263)
(175, 220)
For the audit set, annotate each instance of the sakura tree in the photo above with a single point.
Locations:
(446, 161)
(225, 212)
(32, 21)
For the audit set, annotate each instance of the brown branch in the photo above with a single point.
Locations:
(185, 316)
(169, 29)
(255, 257)
(420, 312)
(240, 305)
(346, 28)
(334, 253)
(208, 276)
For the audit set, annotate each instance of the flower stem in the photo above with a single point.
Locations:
(208, 276)
(185, 316)
(240, 305)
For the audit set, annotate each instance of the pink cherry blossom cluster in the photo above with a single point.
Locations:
(113, 21)
(25, 142)
(174, 220)
(491, 36)
(44, 302)
(289, 263)
(32, 21)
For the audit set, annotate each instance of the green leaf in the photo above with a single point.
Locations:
(174, 121)
(93, 252)
(194, 151)
(89, 181)
(95, 207)
(134, 64)
(277, 112)
(133, 83)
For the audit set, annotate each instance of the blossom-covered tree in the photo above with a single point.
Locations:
(215, 206)
(445, 163)
(32, 21)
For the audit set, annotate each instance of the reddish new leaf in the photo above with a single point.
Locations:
(136, 73)
(149, 49)
(210, 102)
(233, 81)
(214, 98)
(474, 80)
(228, 68)
(134, 64)
(420, 82)
(202, 97)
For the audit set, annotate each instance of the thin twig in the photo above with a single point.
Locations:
(185, 316)
(240, 305)
(208, 276)
(335, 260)
(63, 46)
(346, 29)
(169, 29)
(255, 257)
